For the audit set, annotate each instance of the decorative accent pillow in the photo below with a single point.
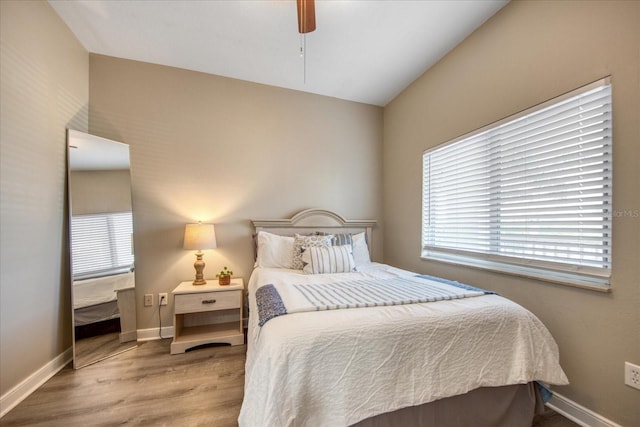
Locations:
(274, 251)
(340, 239)
(328, 259)
(301, 241)
(360, 249)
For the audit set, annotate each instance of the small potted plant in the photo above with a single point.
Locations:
(224, 277)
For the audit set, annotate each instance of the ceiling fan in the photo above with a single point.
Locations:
(306, 16)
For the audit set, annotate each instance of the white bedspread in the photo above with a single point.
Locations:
(100, 290)
(334, 368)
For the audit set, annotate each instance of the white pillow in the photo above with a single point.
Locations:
(328, 259)
(274, 251)
(360, 249)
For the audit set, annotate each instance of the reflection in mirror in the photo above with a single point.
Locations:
(101, 240)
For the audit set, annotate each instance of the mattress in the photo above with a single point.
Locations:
(339, 367)
(100, 290)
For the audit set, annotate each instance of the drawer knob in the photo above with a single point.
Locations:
(209, 301)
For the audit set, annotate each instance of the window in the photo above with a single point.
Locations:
(529, 195)
(101, 244)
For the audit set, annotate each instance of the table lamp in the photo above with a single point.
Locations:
(199, 237)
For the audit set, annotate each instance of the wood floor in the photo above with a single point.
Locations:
(144, 386)
(92, 349)
(147, 386)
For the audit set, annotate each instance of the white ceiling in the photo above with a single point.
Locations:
(90, 152)
(362, 50)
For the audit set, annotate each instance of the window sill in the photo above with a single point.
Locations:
(599, 284)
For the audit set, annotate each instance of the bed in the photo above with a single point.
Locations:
(100, 300)
(457, 356)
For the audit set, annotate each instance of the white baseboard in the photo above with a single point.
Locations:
(154, 333)
(578, 413)
(17, 394)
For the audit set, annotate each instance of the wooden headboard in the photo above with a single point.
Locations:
(310, 220)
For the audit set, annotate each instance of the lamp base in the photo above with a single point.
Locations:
(199, 266)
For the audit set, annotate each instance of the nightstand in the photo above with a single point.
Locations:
(207, 314)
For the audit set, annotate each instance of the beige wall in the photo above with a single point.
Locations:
(100, 191)
(529, 52)
(219, 150)
(44, 88)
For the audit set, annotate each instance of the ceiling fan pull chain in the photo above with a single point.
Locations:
(303, 56)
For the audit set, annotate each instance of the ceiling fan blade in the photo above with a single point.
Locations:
(306, 16)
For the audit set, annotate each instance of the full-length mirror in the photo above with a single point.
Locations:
(102, 259)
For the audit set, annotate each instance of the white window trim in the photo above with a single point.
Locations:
(578, 276)
(582, 280)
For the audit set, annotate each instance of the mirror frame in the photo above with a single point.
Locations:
(94, 348)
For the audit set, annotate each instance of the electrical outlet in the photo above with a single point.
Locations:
(148, 300)
(632, 375)
(162, 298)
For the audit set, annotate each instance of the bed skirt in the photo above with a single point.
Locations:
(512, 405)
(96, 313)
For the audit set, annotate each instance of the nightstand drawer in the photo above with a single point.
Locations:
(207, 301)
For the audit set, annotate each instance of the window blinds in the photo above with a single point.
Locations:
(534, 189)
(101, 244)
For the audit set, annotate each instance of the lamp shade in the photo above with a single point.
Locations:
(200, 236)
